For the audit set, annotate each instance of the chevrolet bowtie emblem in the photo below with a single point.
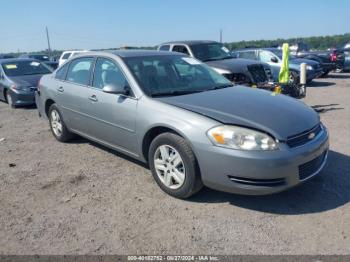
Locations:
(311, 135)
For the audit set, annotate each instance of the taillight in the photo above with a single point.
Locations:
(333, 57)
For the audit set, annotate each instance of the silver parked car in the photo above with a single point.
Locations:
(186, 121)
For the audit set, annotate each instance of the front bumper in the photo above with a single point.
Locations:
(312, 74)
(40, 105)
(23, 98)
(261, 172)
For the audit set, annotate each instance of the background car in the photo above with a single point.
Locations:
(330, 60)
(273, 57)
(19, 80)
(5, 56)
(347, 59)
(68, 54)
(43, 58)
(186, 121)
(217, 56)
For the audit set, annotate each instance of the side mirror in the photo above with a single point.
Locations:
(274, 60)
(116, 89)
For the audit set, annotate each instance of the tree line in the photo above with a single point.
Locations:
(314, 42)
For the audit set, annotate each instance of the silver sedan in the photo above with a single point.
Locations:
(186, 121)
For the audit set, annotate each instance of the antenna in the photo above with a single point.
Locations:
(220, 35)
(48, 40)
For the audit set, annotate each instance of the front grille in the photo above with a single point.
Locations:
(236, 78)
(269, 74)
(305, 137)
(258, 182)
(258, 73)
(312, 167)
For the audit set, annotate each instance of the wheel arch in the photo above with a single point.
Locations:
(155, 131)
(48, 103)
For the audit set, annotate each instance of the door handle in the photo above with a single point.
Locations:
(93, 98)
(60, 89)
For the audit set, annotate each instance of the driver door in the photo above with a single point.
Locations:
(112, 116)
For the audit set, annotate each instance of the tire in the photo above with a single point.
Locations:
(9, 99)
(188, 167)
(294, 78)
(325, 74)
(57, 125)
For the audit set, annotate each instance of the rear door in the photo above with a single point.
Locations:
(265, 57)
(112, 116)
(72, 94)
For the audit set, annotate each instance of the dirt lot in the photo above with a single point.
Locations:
(82, 198)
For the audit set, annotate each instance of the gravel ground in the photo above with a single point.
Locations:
(81, 198)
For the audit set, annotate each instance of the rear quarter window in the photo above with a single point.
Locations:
(62, 72)
(66, 56)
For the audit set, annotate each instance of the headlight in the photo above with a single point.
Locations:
(241, 138)
(309, 67)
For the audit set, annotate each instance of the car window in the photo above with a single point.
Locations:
(62, 72)
(107, 73)
(266, 56)
(181, 49)
(210, 51)
(247, 55)
(164, 48)
(79, 70)
(160, 74)
(66, 56)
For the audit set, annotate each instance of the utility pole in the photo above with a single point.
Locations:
(48, 41)
(220, 35)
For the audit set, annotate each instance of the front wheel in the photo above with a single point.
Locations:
(9, 100)
(174, 166)
(57, 125)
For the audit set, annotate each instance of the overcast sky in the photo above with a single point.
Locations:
(89, 24)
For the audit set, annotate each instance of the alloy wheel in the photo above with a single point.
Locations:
(169, 166)
(56, 123)
(9, 99)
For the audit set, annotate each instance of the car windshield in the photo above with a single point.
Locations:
(278, 52)
(210, 52)
(30, 67)
(170, 75)
(41, 57)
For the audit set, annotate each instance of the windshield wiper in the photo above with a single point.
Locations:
(176, 92)
(220, 87)
(217, 59)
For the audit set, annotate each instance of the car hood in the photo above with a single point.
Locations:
(278, 115)
(234, 64)
(29, 80)
(299, 61)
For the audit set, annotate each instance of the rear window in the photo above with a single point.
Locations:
(20, 68)
(164, 48)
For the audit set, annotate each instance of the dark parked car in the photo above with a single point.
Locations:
(4, 56)
(329, 60)
(19, 79)
(347, 60)
(273, 57)
(186, 121)
(43, 58)
(217, 56)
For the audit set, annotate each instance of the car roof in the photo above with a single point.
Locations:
(190, 42)
(254, 49)
(130, 53)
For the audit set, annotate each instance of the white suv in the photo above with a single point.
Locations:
(68, 54)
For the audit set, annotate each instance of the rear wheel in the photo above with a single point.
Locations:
(174, 166)
(57, 125)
